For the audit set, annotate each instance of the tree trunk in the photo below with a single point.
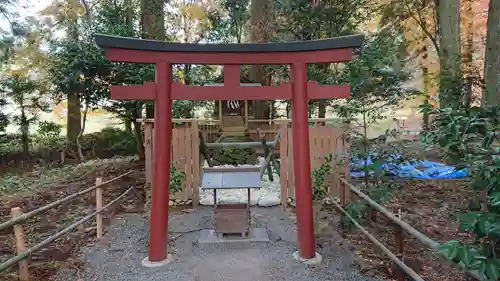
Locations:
(139, 140)
(80, 134)
(128, 126)
(216, 110)
(129, 20)
(187, 74)
(425, 117)
(259, 13)
(74, 118)
(74, 114)
(468, 63)
(322, 109)
(137, 130)
(322, 104)
(153, 27)
(491, 95)
(25, 130)
(449, 56)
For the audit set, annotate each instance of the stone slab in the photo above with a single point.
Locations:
(235, 179)
(208, 236)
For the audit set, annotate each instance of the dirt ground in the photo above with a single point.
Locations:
(429, 207)
(64, 252)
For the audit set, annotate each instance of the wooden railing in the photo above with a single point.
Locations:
(400, 228)
(18, 217)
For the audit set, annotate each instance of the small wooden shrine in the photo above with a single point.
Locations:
(234, 114)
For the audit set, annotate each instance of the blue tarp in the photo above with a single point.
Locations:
(407, 168)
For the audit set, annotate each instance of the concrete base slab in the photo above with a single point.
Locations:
(147, 263)
(312, 261)
(208, 236)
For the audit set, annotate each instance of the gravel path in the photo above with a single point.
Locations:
(119, 258)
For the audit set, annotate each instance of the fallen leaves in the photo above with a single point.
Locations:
(62, 253)
(429, 208)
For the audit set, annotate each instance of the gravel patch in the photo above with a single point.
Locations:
(119, 258)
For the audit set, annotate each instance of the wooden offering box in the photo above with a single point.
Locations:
(231, 218)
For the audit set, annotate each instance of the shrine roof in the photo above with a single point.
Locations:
(343, 42)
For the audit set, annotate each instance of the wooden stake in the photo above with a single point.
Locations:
(98, 203)
(246, 114)
(198, 148)
(24, 274)
(343, 204)
(148, 149)
(399, 241)
(220, 114)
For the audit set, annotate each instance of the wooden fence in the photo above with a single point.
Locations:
(322, 141)
(18, 217)
(186, 156)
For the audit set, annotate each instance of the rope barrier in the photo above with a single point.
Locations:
(381, 246)
(54, 204)
(422, 238)
(41, 245)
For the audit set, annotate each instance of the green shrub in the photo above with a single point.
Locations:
(49, 129)
(10, 144)
(176, 179)
(48, 137)
(109, 142)
(45, 146)
(320, 190)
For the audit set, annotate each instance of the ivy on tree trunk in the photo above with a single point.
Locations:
(491, 94)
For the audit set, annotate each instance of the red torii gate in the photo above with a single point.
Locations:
(231, 56)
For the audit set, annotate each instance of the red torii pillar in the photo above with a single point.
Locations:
(163, 91)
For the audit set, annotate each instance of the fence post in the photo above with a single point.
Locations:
(148, 147)
(24, 274)
(399, 240)
(283, 128)
(342, 204)
(196, 153)
(98, 203)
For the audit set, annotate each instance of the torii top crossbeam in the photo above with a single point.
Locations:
(164, 90)
(314, 51)
(123, 49)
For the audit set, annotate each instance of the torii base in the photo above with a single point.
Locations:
(147, 263)
(312, 261)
